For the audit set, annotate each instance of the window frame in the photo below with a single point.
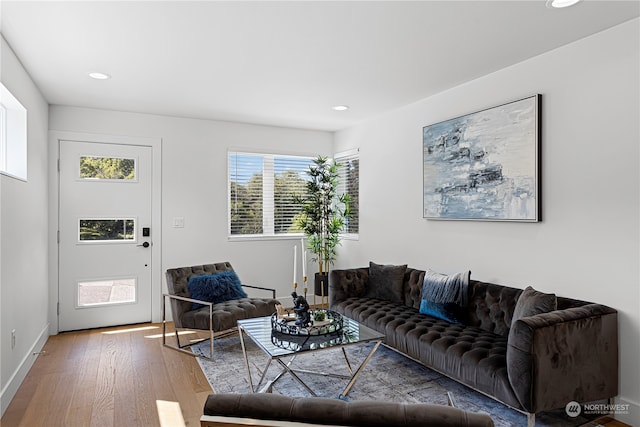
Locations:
(268, 171)
(13, 146)
(340, 158)
(3, 137)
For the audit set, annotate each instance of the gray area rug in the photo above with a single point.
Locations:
(388, 376)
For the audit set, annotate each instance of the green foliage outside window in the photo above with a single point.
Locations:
(107, 168)
(107, 229)
(280, 192)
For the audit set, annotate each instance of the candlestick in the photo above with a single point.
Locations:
(295, 259)
(304, 260)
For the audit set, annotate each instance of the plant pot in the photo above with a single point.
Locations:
(321, 285)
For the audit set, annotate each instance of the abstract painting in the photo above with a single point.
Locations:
(484, 165)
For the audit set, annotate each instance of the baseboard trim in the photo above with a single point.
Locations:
(10, 390)
(627, 411)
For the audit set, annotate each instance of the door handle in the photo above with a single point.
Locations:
(145, 244)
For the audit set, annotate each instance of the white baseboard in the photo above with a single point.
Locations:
(10, 390)
(627, 411)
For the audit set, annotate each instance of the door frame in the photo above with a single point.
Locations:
(156, 214)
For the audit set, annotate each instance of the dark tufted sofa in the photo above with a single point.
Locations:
(277, 410)
(570, 354)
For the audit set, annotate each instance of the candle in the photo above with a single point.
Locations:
(304, 261)
(295, 259)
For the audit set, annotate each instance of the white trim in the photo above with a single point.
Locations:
(3, 137)
(156, 214)
(11, 388)
(632, 417)
(348, 153)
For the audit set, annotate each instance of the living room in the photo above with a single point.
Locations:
(586, 246)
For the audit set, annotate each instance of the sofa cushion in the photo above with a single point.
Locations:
(445, 297)
(491, 306)
(386, 282)
(215, 288)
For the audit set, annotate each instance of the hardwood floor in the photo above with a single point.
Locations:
(116, 377)
(110, 377)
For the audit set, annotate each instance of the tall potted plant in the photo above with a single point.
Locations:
(323, 217)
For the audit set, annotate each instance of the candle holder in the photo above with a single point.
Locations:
(304, 286)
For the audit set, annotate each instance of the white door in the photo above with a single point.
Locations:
(105, 241)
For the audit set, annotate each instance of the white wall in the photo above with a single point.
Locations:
(194, 185)
(23, 236)
(587, 246)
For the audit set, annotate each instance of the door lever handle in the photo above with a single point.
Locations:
(145, 244)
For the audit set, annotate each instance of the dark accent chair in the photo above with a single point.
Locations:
(219, 319)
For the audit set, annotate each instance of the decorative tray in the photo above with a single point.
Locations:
(286, 325)
(305, 342)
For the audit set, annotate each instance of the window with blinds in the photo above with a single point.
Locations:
(350, 185)
(262, 193)
(13, 136)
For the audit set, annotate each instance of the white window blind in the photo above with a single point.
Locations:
(262, 193)
(350, 184)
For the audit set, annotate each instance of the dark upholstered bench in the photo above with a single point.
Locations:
(280, 411)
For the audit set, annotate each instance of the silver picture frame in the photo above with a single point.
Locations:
(485, 165)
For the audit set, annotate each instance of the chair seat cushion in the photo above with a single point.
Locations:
(227, 313)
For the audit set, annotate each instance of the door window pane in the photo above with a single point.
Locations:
(106, 292)
(107, 229)
(107, 168)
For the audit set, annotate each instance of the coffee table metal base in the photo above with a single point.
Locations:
(287, 369)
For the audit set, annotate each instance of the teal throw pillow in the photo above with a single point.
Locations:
(215, 288)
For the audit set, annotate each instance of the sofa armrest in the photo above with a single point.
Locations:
(564, 355)
(344, 284)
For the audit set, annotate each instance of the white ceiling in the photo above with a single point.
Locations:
(282, 63)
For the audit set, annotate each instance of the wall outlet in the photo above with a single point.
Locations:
(13, 339)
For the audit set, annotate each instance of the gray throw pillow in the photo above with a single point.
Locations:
(386, 282)
(532, 302)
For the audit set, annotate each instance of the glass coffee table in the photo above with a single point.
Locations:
(278, 347)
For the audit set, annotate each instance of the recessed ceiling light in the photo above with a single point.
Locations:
(340, 107)
(99, 76)
(561, 3)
